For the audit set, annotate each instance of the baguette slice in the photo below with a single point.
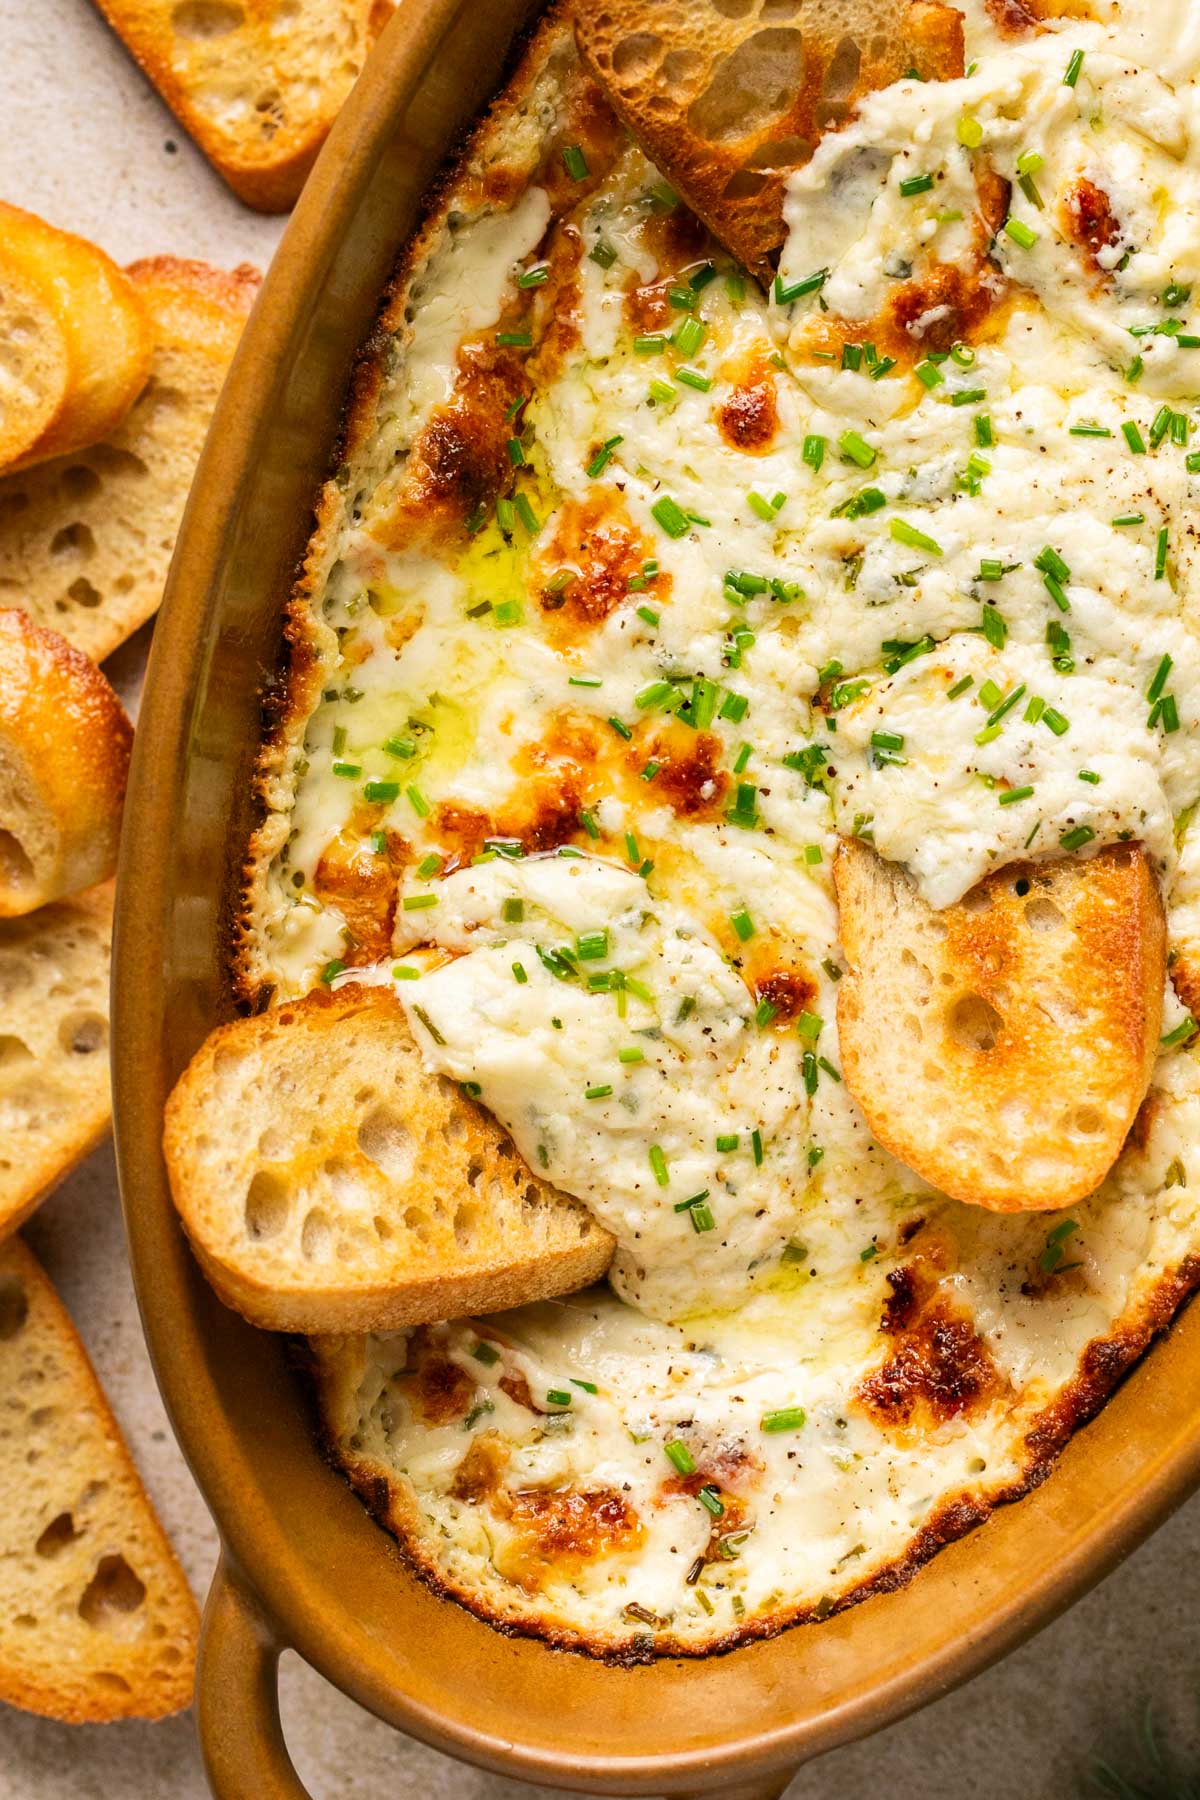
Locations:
(258, 85)
(86, 541)
(328, 1183)
(728, 97)
(76, 346)
(96, 1618)
(64, 757)
(55, 1104)
(1002, 1047)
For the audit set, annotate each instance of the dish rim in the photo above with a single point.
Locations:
(335, 205)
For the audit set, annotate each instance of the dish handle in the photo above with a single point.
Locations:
(237, 1696)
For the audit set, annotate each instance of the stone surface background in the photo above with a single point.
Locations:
(85, 141)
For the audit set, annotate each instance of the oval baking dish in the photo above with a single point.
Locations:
(304, 1565)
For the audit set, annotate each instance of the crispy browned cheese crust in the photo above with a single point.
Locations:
(1002, 1047)
(727, 101)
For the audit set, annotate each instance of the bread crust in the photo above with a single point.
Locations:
(1002, 1047)
(412, 1207)
(693, 87)
(86, 539)
(65, 744)
(117, 1628)
(55, 1090)
(258, 104)
(104, 337)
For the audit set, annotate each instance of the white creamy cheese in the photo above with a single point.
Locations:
(610, 1036)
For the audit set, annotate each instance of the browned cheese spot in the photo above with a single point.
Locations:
(748, 419)
(947, 304)
(362, 884)
(690, 779)
(599, 549)
(1089, 221)
(937, 1368)
(442, 1391)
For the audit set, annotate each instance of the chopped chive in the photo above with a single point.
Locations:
(728, 1141)
(1160, 425)
(348, 771)
(1182, 1034)
(784, 1418)
(711, 1501)
(694, 379)
(688, 335)
(916, 184)
(381, 790)
(1160, 554)
(429, 865)
(734, 707)
(405, 972)
(1160, 678)
(650, 343)
(588, 821)
(756, 1147)
(331, 969)
(518, 340)
(418, 902)
(671, 516)
(575, 162)
(1011, 797)
(1077, 838)
(648, 615)
(994, 627)
(507, 612)
(743, 757)
(813, 451)
(603, 253)
(855, 449)
(534, 277)
(429, 1025)
(622, 730)
(592, 946)
(1020, 233)
(418, 802)
(1090, 776)
(983, 431)
(603, 456)
(596, 1093)
(743, 924)
(968, 396)
(519, 975)
(813, 853)
(810, 284)
(632, 1053)
(1055, 722)
(904, 533)
(960, 687)
(1129, 519)
(1089, 428)
(1073, 68)
(810, 1026)
(680, 1457)
(585, 681)
(764, 1012)
(1134, 372)
(589, 1387)
(929, 374)
(658, 1166)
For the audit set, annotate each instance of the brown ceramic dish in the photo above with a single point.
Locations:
(304, 1565)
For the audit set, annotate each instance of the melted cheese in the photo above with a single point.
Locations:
(745, 594)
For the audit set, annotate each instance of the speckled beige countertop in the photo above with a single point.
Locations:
(84, 141)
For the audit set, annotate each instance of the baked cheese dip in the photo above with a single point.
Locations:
(638, 587)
